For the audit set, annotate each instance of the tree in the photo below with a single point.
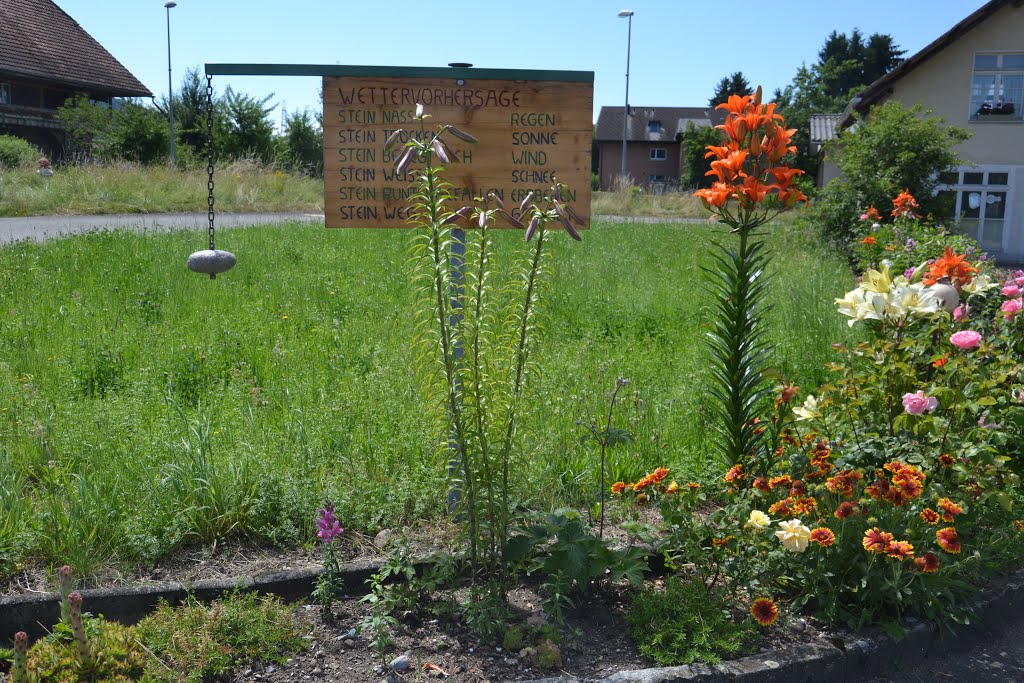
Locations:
(736, 84)
(83, 123)
(303, 144)
(845, 65)
(135, 133)
(694, 167)
(243, 127)
(892, 149)
(190, 112)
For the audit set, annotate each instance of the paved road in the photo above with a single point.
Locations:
(47, 227)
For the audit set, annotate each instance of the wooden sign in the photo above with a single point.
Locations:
(532, 128)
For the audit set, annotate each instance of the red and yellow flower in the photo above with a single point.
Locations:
(876, 541)
(764, 611)
(930, 516)
(823, 536)
(948, 540)
(949, 509)
(928, 563)
(618, 487)
(899, 550)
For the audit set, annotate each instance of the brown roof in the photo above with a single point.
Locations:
(883, 86)
(38, 41)
(673, 121)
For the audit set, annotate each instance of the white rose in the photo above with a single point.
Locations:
(794, 535)
(758, 521)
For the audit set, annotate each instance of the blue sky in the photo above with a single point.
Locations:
(679, 49)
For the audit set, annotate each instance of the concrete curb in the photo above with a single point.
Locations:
(853, 658)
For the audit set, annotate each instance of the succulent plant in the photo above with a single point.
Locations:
(82, 649)
(65, 584)
(19, 671)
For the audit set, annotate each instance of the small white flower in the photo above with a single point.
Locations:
(419, 110)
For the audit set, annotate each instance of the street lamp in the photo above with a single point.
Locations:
(170, 88)
(628, 14)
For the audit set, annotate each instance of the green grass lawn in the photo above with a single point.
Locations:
(143, 406)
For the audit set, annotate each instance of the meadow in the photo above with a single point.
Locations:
(143, 407)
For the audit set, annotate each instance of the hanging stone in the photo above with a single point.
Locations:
(946, 294)
(211, 262)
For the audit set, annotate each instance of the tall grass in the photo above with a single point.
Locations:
(143, 407)
(124, 187)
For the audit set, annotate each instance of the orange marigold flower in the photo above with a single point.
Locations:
(845, 509)
(899, 550)
(949, 509)
(784, 481)
(781, 508)
(948, 540)
(764, 611)
(928, 563)
(930, 516)
(618, 487)
(672, 488)
(947, 460)
(869, 241)
(876, 541)
(692, 485)
(823, 536)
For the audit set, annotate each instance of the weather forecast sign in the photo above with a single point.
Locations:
(532, 128)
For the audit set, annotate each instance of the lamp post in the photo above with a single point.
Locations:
(170, 88)
(628, 14)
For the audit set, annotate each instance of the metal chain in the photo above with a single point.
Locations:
(209, 151)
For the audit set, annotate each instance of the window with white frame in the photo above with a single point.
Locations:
(659, 154)
(978, 198)
(997, 87)
(5, 93)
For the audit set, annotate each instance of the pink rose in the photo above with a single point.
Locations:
(965, 339)
(1011, 291)
(1010, 307)
(961, 312)
(916, 404)
(864, 216)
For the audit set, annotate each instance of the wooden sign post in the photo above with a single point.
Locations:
(533, 128)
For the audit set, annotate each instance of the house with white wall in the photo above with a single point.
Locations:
(973, 77)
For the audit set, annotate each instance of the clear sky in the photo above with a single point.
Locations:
(680, 49)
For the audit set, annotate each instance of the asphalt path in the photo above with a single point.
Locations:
(40, 228)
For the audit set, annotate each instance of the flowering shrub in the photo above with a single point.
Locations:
(893, 488)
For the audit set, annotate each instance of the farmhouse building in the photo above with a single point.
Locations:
(45, 59)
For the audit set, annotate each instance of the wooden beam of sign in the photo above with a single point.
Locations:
(529, 134)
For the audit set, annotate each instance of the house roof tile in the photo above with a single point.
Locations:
(39, 41)
(672, 120)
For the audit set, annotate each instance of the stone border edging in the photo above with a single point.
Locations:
(852, 659)
(839, 659)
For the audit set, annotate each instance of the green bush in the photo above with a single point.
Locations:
(16, 153)
(685, 623)
(894, 149)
